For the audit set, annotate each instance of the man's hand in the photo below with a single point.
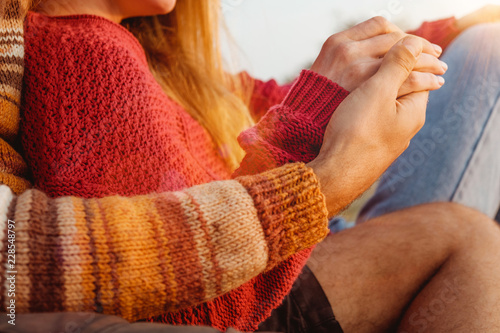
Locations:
(351, 57)
(487, 14)
(372, 127)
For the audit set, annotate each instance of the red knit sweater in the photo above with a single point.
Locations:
(96, 123)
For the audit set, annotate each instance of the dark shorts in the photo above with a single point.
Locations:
(305, 309)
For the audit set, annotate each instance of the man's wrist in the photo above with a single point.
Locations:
(324, 173)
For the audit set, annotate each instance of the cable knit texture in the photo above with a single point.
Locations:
(145, 254)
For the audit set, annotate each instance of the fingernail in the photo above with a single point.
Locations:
(441, 80)
(409, 43)
(438, 49)
(444, 65)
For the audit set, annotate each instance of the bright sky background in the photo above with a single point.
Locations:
(277, 38)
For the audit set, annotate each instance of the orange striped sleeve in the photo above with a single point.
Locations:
(146, 255)
(141, 256)
(13, 169)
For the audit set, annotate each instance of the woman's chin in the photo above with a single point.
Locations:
(134, 8)
(163, 6)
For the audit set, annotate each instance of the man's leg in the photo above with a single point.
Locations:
(440, 261)
(455, 157)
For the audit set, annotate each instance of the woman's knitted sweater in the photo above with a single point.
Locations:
(68, 263)
(96, 123)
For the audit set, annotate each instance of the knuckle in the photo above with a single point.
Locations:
(414, 38)
(413, 79)
(435, 80)
(428, 62)
(396, 36)
(333, 41)
(404, 59)
(346, 50)
(404, 64)
(424, 42)
(380, 21)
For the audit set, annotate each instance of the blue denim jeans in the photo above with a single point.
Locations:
(456, 155)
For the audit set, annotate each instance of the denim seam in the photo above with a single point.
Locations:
(476, 151)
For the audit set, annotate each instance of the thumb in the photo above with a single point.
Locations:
(399, 62)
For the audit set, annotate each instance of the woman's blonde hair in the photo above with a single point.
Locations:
(184, 55)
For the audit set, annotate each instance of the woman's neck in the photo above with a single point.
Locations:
(102, 8)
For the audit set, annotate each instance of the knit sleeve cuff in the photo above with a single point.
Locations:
(291, 208)
(314, 96)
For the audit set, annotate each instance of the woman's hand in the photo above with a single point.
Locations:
(487, 14)
(351, 57)
(372, 127)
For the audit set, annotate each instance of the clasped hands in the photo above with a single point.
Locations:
(389, 75)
